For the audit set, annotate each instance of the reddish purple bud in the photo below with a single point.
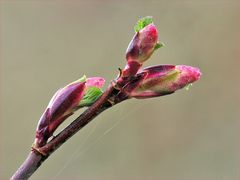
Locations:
(59, 108)
(63, 104)
(161, 80)
(143, 44)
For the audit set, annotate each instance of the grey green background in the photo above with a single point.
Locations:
(190, 135)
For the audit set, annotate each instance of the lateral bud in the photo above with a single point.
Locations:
(161, 80)
(64, 103)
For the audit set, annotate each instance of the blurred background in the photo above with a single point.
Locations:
(190, 135)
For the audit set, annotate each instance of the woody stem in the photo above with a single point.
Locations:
(37, 157)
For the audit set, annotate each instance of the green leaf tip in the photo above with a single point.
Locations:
(159, 45)
(143, 22)
(187, 87)
(82, 79)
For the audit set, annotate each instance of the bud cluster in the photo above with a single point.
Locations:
(156, 80)
(133, 82)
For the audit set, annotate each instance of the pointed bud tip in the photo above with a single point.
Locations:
(143, 44)
(79, 81)
(95, 81)
(151, 31)
(193, 73)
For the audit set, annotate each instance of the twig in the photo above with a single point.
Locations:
(37, 156)
(132, 82)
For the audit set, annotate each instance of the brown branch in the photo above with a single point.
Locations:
(29, 166)
(37, 156)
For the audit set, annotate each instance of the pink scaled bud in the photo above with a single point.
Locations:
(141, 47)
(161, 80)
(63, 104)
(143, 44)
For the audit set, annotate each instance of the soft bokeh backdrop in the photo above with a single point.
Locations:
(190, 135)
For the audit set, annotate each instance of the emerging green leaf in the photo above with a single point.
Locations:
(143, 22)
(91, 95)
(188, 86)
(159, 45)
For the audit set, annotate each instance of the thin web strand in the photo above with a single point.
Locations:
(78, 152)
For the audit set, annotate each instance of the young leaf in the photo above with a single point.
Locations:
(159, 45)
(91, 95)
(142, 23)
(188, 86)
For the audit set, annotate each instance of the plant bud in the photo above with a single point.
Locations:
(63, 104)
(161, 80)
(143, 44)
